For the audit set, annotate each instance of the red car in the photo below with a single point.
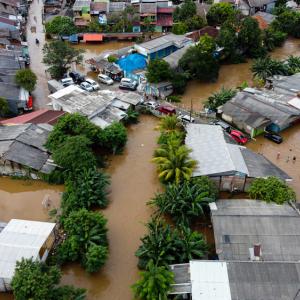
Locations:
(166, 109)
(238, 137)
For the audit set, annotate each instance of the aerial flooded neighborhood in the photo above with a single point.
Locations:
(149, 150)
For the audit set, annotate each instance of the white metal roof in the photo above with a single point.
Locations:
(295, 102)
(209, 280)
(210, 150)
(21, 238)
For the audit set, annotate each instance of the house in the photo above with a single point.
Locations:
(103, 66)
(41, 116)
(256, 111)
(22, 150)
(250, 7)
(81, 12)
(159, 90)
(100, 107)
(162, 46)
(174, 58)
(243, 226)
(285, 85)
(264, 19)
(235, 280)
(164, 20)
(232, 167)
(197, 34)
(12, 37)
(23, 239)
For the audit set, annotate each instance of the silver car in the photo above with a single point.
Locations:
(86, 86)
(105, 79)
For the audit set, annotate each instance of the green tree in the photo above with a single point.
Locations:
(113, 138)
(26, 79)
(179, 81)
(154, 284)
(180, 28)
(132, 116)
(173, 163)
(59, 56)
(72, 125)
(36, 281)
(200, 62)
(185, 11)
(293, 63)
(61, 25)
(84, 229)
(271, 189)
(75, 154)
(85, 189)
(170, 124)
(219, 13)
(158, 70)
(273, 38)
(262, 68)
(186, 201)
(289, 22)
(4, 108)
(250, 38)
(94, 26)
(220, 98)
(195, 22)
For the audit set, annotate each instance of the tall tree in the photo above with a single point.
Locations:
(36, 281)
(154, 284)
(158, 70)
(26, 79)
(59, 56)
(61, 25)
(219, 13)
(185, 11)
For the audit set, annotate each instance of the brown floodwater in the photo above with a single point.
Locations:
(133, 184)
(231, 76)
(287, 150)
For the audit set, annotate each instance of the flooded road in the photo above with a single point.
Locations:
(134, 182)
(231, 76)
(288, 149)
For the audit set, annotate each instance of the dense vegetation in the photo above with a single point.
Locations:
(60, 25)
(26, 79)
(271, 189)
(36, 281)
(219, 98)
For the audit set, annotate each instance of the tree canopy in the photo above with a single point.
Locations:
(185, 11)
(36, 281)
(61, 25)
(154, 284)
(158, 70)
(271, 189)
(200, 62)
(59, 56)
(219, 13)
(26, 79)
(219, 98)
(4, 108)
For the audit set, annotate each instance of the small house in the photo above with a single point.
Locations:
(232, 167)
(159, 90)
(23, 239)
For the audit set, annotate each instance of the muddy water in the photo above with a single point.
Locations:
(231, 76)
(134, 182)
(287, 150)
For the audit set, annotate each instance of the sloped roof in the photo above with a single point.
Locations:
(259, 3)
(173, 58)
(239, 224)
(99, 6)
(21, 239)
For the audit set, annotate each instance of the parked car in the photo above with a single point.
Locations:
(273, 137)
(151, 104)
(105, 79)
(67, 81)
(128, 84)
(186, 118)
(166, 109)
(238, 137)
(77, 77)
(224, 125)
(93, 83)
(86, 86)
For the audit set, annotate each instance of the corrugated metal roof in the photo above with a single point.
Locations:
(209, 280)
(21, 239)
(239, 224)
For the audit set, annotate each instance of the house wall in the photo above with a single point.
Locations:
(230, 183)
(5, 285)
(47, 246)
(163, 52)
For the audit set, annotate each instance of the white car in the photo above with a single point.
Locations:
(186, 118)
(105, 79)
(93, 83)
(151, 104)
(67, 81)
(86, 86)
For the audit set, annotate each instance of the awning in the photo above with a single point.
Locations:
(73, 38)
(92, 37)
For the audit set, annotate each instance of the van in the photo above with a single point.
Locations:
(67, 81)
(167, 109)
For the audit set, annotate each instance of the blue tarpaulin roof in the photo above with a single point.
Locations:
(73, 38)
(132, 62)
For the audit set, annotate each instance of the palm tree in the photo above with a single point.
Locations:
(155, 283)
(184, 202)
(263, 68)
(294, 64)
(173, 162)
(170, 124)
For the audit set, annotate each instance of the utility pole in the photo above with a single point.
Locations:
(191, 109)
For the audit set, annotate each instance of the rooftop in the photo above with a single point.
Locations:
(21, 239)
(240, 224)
